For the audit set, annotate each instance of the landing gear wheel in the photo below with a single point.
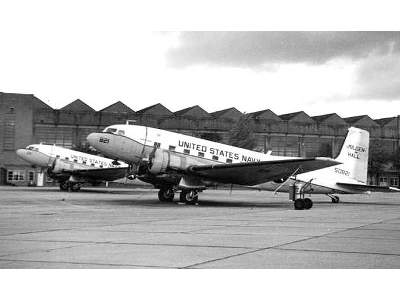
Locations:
(189, 197)
(299, 204)
(75, 187)
(335, 199)
(63, 186)
(166, 195)
(307, 203)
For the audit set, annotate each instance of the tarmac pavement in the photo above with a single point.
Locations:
(130, 228)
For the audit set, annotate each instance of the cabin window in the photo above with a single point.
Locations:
(121, 132)
(172, 148)
(29, 148)
(57, 156)
(84, 162)
(92, 165)
(67, 158)
(229, 161)
(101, 166)
(186, 151)
(215, 157)
(201, 154)
(75, 160)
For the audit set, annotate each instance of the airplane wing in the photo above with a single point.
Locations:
(108, 174)
(252, 173)
(368, 188)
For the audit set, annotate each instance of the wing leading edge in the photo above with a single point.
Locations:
(253, 173)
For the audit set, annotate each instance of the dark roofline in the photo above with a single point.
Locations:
(355, 118)
(131, 110)
(289, 116)
(143, 110)
(182, 111)
(384, 121)
(259, 112)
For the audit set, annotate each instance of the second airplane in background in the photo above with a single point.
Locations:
(172, 161)
(72, 168)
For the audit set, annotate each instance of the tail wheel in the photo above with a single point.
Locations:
(166, 195)
(299, 204)
(308, 203)
(63, 186)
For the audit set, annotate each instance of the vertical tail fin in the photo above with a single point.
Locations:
(354, 154)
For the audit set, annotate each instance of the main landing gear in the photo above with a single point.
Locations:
(167, 194)
(189, 196)
(297, 192)
(303, 203)
(70, 186)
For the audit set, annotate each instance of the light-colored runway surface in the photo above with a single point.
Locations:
(127, 228)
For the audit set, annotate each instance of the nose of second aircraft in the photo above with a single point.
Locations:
(21, 153)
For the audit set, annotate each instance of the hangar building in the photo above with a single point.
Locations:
(25, 119)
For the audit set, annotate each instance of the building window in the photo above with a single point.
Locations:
(16, 175)
(201, 154)
(215, 157)
(383, 181)
(31, 175)
(229, 161)
(157, 145)
(172, 148)
(394, 181)
(186, 151)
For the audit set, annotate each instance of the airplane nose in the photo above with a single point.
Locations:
(21, 153)
(93, 139)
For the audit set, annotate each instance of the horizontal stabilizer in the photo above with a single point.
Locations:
(368, 188)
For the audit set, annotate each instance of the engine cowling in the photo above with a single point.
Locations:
(162, 160)
(58, 167)
(159, 161)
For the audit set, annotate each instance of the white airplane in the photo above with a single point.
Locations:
(347, 178)
(72, 168)
(172, 161)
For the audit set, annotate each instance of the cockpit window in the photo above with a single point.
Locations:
(32, 148)
(111, 130)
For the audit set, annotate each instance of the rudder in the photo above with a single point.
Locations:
(354, 154)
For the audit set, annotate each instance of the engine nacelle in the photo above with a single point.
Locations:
(161, 160)
(59, 166)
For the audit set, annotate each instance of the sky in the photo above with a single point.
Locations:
(102, 54)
